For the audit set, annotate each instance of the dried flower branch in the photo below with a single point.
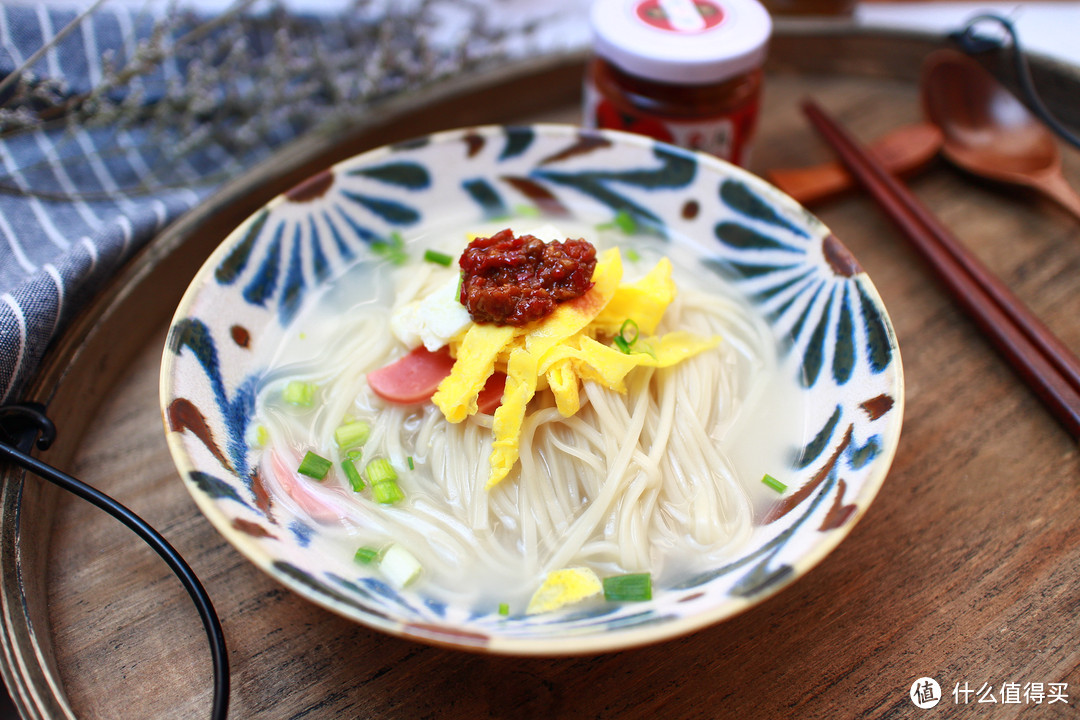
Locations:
(242, 83)
(8, 81)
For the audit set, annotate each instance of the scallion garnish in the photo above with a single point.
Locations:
(632, 255)
(773, 483)
(628, 335)
(391, 248)
(504, 609)
(380, 470)
(352, 434)
(409, 460)
(434, 256)
(314, 466)
(645, 348)
(387, 492)
(635, 587)
(623, 220)
(626, 222)
(399, 566)
(299, 393)
(526, 210)
(366, 555)
(349, 468)
(383, 478)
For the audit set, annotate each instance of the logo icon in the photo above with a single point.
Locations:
(925, 693)
(681, 16)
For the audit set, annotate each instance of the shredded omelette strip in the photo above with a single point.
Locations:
(563, 350)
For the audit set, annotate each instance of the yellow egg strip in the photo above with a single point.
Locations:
(522, 366)
(575, 315)
(456, 394)
(561, 350)
(563, 381)
(563, 587)
(643, 301)
(592, 360)
(520, 387)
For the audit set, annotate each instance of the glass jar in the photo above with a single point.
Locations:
(686, 72)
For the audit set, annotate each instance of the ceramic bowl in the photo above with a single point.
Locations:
(830, 327)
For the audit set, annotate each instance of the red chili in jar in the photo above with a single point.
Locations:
(686, 72)
(511, 280)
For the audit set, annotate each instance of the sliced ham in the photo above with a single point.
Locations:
(316, 502)
(490, 396)
(414, 378)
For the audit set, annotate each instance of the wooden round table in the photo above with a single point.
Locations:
(966, 569)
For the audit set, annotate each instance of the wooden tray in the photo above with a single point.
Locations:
(966, 568)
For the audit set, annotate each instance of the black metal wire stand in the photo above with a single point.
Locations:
(973, 43)
(25, 425)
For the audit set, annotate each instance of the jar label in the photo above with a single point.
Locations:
(725, 136)
(680, 16)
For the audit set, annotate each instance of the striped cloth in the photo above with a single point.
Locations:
(75, 204)
(56, 249)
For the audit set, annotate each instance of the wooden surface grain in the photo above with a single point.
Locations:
(966, 568)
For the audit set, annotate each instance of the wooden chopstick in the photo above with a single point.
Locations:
(1039, 357)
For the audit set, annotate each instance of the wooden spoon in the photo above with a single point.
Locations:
(988, 132)
(903, 151)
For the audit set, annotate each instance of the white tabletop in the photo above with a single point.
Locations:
(1046, 28)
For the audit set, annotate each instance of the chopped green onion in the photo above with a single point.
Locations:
(299, 393)
(774, 483)
(527, 210)
(355, 481)
(380, 470)
(353, 434)
(635, 587)
(409, 460)
(392, 248)
(623, 220)
(628, 335)
(387, 492)
(366, 555)
(314, 466)
(383, 478)
(399, 566)
(438, 258)
(632, 255)
(504, 609)
(645, 348)
(460, 282)
(262, 436)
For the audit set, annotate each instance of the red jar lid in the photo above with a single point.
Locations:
(689, 42)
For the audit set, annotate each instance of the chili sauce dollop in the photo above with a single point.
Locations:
(515, 280)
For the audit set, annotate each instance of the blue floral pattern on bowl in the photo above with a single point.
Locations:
(835, 335)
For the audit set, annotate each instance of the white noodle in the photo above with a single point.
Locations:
(632, 482)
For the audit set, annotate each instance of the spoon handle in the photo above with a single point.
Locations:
(1058, 188)
(903, 151)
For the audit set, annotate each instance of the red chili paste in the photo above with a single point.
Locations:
(510, 280)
